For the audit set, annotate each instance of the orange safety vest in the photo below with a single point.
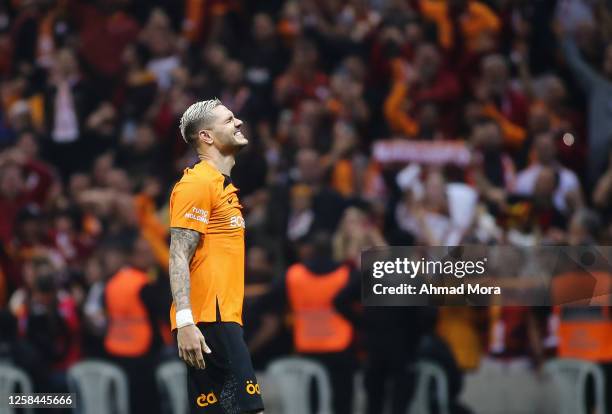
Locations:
(585, 331)
(129, 329)
(318, 327)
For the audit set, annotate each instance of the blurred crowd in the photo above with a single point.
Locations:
(371, 123)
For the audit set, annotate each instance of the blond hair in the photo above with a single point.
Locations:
(198, 115)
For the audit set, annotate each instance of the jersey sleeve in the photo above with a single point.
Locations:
(190, 206)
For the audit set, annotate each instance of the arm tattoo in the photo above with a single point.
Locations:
(183, 243)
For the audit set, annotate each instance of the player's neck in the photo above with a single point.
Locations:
(223, 163)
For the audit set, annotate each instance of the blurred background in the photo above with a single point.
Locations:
(371, 123)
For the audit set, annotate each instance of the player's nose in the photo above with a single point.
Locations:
(237, 123)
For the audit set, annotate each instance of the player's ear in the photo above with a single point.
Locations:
(204, 135)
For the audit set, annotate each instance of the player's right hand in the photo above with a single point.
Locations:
(191, 346)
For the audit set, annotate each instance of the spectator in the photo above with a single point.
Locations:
(502, 102)
(104, 31)
(138, 88)
(301, 215)
(584, 228)
(324, 199)
(346, 100)
(390, 335)
(493, 171)
(264, 58)
(355, 233)
(549, 221)
(158, 37)
(265, 333)
(16, 350)
(568, 194)
(238, 95)
(527, 34)
(554, 98)
(342, 162)
(436, 348)
(425, 215)
(94, 315)
(141, 155)
(68, 103)
(427, 82)
(602, 195)
(302, 79)
(598, 89)
(16, 191)
(478, 21)
(49, 319)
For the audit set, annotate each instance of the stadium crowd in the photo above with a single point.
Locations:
(360, 115)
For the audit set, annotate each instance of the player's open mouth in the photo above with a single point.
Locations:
(238, 132)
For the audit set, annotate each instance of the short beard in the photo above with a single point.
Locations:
(233, 148)
(240, 146)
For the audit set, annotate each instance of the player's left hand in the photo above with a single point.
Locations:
(192, 346)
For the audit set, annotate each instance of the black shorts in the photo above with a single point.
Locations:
(227, 385)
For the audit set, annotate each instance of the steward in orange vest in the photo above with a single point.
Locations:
(583, 298)
(585, 326)
(131, 306)
(584, 329)
(131, 339)
(584, 302)
(318, 328)
(130, 333)
(319, 331)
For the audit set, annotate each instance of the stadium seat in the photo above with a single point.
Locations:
(293, 377)
(360, 394)
(101, 388)
(172, 383)
(13, 379)
(570, 377)
(512, 387)
(421, 403)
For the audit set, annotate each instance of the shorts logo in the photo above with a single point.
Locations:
(204, 400)
(251, 388)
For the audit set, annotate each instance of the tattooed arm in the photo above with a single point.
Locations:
(191, 343)
(183, 243)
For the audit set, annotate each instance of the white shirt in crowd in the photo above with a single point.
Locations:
(568, 182)
(66, 124)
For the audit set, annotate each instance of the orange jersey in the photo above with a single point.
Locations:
(205, 201)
